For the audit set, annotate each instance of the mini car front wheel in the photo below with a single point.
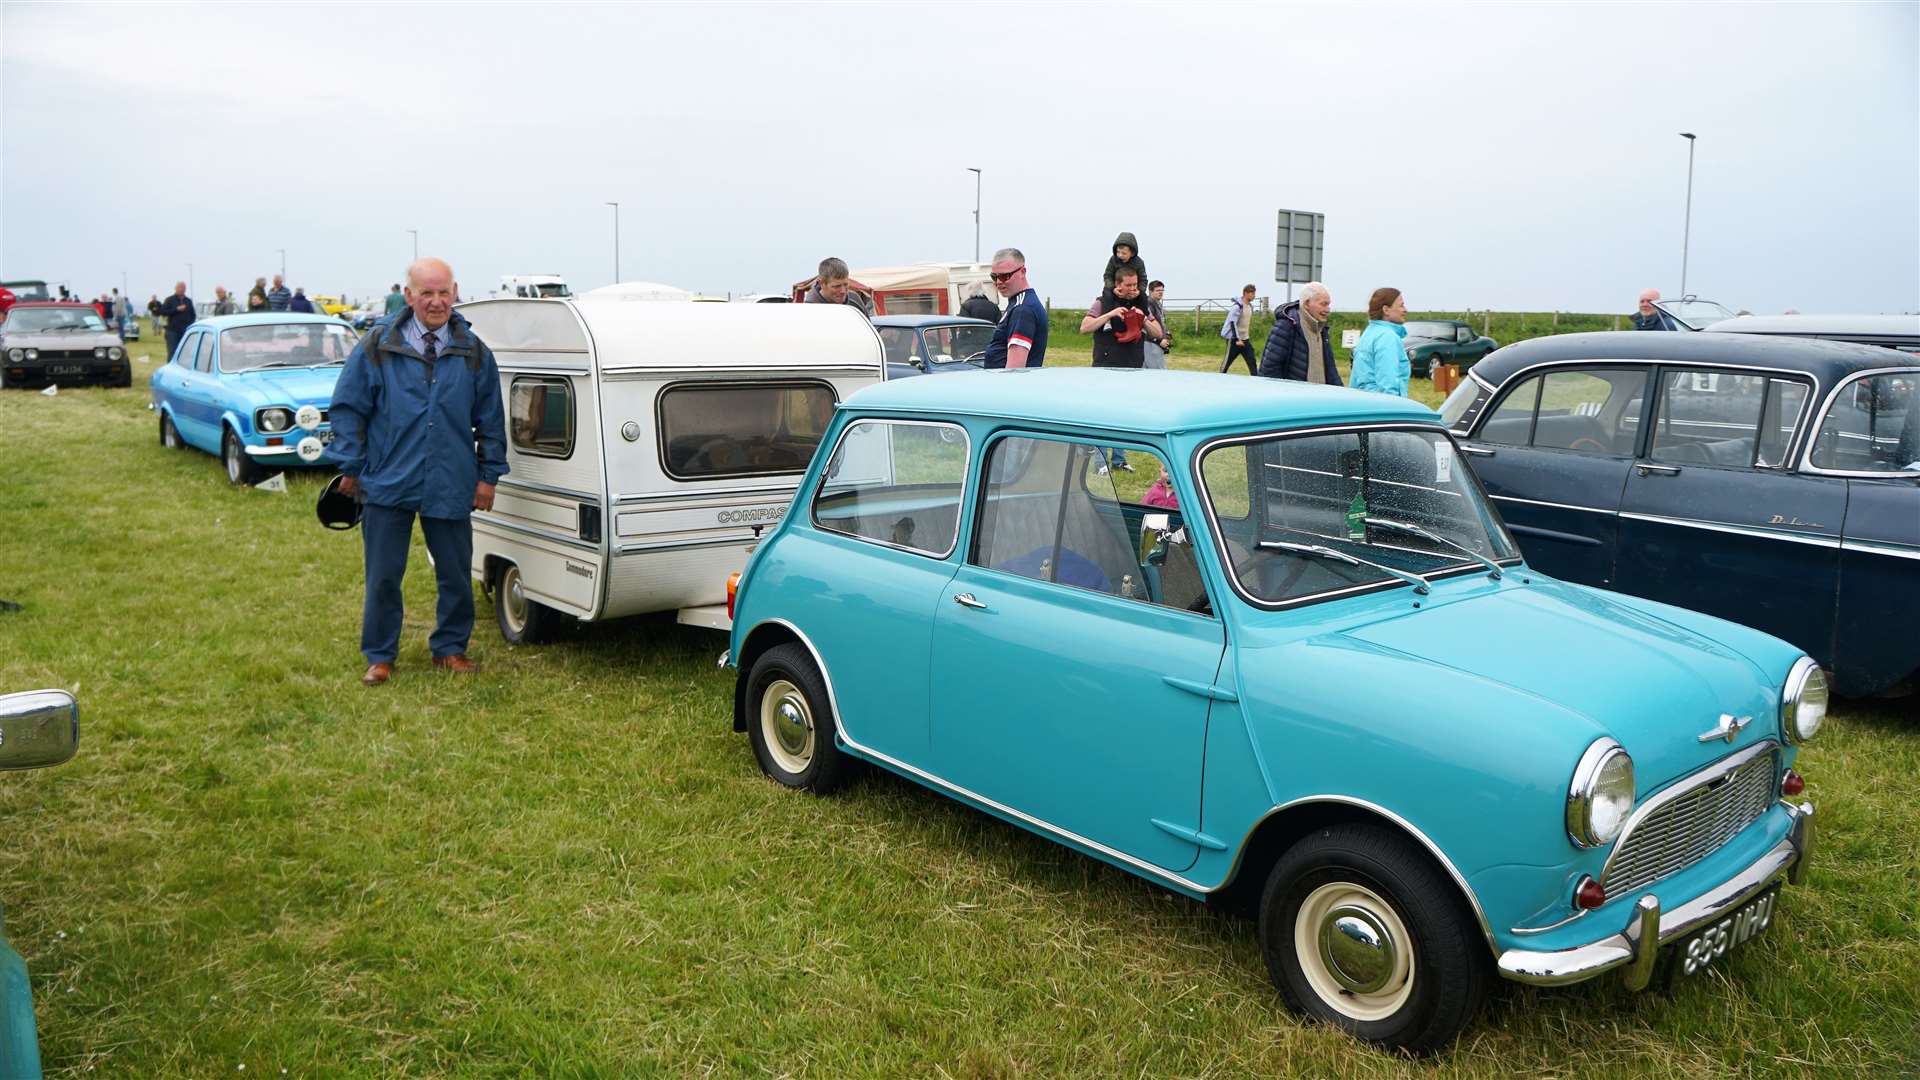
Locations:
(790, 723)
(1362, 931)
(240, 468)
(523, 620)
(170, 435)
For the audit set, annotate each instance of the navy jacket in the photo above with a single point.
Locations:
(1285, 356)
(410, 434)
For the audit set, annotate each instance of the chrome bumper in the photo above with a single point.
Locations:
(270, 451)
(1637, 946)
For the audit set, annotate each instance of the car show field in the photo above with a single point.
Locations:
(568, 865)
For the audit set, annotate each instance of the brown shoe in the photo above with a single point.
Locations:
(456, 663)
(377, 674)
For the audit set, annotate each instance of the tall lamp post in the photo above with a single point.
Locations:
(189, 281)
(616, 241)
(1686, 232)
(283, 263)
(976, 212)
(416, 244)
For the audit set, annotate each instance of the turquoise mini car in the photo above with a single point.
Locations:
(1293, 663)
(253, 389)
(38, 728)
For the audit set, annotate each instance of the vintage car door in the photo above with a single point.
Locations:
(1063, 690)
(1712, 519)
(1553, 452)
(194, 389)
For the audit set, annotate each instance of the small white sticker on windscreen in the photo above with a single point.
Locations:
(1442, 461)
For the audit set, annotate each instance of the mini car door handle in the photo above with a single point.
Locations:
(1663, 470)
(966, 599)
(1476, 451)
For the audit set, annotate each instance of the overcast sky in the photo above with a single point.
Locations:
(1505, 156)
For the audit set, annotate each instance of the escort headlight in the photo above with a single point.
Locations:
(33, 354)
(16, 354)
(115, 352)
(274, 421)
(1601, 795)
(1803, 703)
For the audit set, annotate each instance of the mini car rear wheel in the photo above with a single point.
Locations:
(240, 468)
(523, 620)
(170, 435)
(790, 723)
(1360, 930)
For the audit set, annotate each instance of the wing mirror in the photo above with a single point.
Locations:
(38, 728)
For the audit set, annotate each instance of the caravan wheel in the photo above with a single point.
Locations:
(523, 620)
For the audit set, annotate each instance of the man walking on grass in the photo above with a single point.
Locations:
(1238, 330)
(418, 429)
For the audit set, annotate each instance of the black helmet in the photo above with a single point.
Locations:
(337, 509)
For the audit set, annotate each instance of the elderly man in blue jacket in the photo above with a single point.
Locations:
(418, 429)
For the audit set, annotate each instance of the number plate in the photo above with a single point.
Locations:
(66, 369)
(1699, 950)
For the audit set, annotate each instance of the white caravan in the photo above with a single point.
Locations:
(650, 445)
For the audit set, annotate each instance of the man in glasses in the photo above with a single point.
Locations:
(1020, 339)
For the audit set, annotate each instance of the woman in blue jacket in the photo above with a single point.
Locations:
(1380, 360)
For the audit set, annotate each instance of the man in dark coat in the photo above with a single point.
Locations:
(178, 311)
(1300, 346)
(977, 306)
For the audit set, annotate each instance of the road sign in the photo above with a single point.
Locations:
(1300, 249)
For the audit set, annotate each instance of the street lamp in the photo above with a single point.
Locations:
(283, 263)
(1686, 231)
(189, 281)
(976, 211)
(616, 242)
(416, 244)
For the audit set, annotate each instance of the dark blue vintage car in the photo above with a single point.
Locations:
(929, 344)
(1771, 481)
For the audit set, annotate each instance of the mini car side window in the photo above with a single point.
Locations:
(1873, 426)
(895, 483)
(1093, 517)
(540, 415)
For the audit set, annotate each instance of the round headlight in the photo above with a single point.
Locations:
(1803, 703)
(275, 420)
(16, 354)
(1601, 795)
(100, 353)
(33, 354)
(116, 353)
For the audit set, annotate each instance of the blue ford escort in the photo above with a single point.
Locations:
(1295, 662)
(253, 389)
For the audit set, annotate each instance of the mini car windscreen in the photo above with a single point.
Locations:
(285, 345)
(53, 320)
(1307, 515)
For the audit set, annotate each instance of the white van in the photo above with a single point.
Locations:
(533, 285)
(650, 445)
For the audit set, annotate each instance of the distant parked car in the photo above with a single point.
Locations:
(37, 729)
(48, 342)
(928, 344)
(1691, 313)
(1900, 332)
(1771, 481)
(253, 389)
(1308, 672)
(1444, 341)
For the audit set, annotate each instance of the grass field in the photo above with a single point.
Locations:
(569, 866)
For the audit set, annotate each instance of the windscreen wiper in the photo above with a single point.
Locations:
(1493, 568)
(1419, 583)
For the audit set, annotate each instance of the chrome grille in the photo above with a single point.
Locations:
(1684, 830)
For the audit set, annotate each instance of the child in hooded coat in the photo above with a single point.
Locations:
(1132, 260)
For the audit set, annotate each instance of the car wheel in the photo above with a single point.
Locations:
(170, 435)
(523, 620)
(1361, 931)
(791, 724)
(240, 468)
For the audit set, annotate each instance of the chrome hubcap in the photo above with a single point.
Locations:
(516, 594)
(1358, 951)
(233, 461)
(787, 723)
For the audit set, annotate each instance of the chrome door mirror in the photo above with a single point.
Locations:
(38, 728)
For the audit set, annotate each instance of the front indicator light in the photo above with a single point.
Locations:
(1589, 894)
(1794, 783)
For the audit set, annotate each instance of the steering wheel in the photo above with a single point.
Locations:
(1587, 442)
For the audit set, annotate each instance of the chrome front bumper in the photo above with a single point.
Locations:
(1637, 946)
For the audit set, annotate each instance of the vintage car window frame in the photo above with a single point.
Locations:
(1470, 566)
(660, 422)
(1642, 440)
(573, 399)
(972, 526)
(1658, 383)
(960, 505)
(1805, 450)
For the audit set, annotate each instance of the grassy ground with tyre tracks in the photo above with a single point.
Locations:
(569, 865)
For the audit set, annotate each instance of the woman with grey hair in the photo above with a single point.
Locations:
(978, 305)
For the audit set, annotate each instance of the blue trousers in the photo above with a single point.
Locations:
(387, 533)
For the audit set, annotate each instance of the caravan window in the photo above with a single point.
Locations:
(710, 430)
(540, 416)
